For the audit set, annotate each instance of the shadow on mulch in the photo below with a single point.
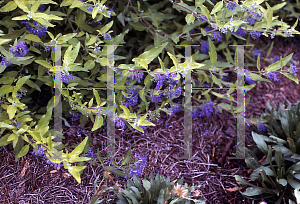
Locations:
(31, 180)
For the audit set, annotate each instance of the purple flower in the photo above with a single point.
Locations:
(106, 36)
(132, 99)
(120, 123)
(255, 34)
(156, 98)
(75, 116)
(204, 47)
(53, 48)
(65, 77)
(140, 164)
(256, 53)
(272, 75)
(19, 50)
(201, 17)
(261, 127)
(5, 62)
(138, 76)
(254, 16)
(42, 7)
(206, 111)
(230, 6)
(276, 58)
(18, 124)
(90, 153)
(240, 32)
(90, 8)
(38, 30)
(293, 69)
(249, 80)
(217, 37)
(174, 109)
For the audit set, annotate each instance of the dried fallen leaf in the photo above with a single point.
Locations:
(25, 167)
(66, 175)
(53, 171)
(233, 190)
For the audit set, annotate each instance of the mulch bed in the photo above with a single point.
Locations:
(31, 180)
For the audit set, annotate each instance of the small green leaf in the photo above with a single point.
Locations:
(10, 6)
(106, 28)
(32, 37)
(127, 157)
(98, 122)
(23, 151)
(204, 10)
(212, 52)
(190, 18)
(63, 39)
(217, 7)
(78, 150)
(277, 65)
(292, 77)
(21, 6)
(90, 64)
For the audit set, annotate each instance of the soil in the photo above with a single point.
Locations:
(31, 180)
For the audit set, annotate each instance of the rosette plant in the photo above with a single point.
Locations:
(279, 142)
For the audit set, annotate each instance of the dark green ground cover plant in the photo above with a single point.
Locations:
(30, 32)
(279, 141)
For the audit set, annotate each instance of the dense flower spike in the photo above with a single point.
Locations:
(138, 76)
(261, 127)
(272, 75)
(204, 47)
(240, 32)
(65, 77)
(256, 53)
(293, 69)
(217, 37)
(75, 116)
(5, 62)
(90, 153)
(206, 111)
(201, 17)
(248, 79)
(140, 164)
(42, 7)
(38, 30)
(120, 123)
(230, 6)
(175, 109)
(156, 98)
(40, 152)
(107, 36)
(255, 34)
(132, 99)
(19, 50)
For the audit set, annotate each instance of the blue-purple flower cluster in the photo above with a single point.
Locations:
(42, 7)
(90, 153)
(65, 77)
(261, 127)
(40, 152)
(164, 79)
(272, 75)
(201, 17)
(120, 123)
(240, 32)
(230, 6)
(138, 76)
(156, 98)
(248, 79)
(140, 164)
(5, 62)
(293, 69)
(18, 124)
(206, 111)
(75, 116)
(175, 109)
(204, 47)
(19, 50)
(107, 36)
(132, 99)
(256, 53)
(38, 30)
(217, 37)
(255, 34)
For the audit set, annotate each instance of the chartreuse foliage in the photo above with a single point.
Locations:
(148, 33)
(280, 171)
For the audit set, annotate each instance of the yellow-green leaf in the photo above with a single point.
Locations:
(98, 122)
(292, 77)
(212, 52)
(78, 150)
(5, 125)
(11, 110)
(217, 7)
(10, 6)
(22, 81)
(190, 18)
(106, 27)
(95, 12)
(32, 37)
(23, 151)
(21, 6)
